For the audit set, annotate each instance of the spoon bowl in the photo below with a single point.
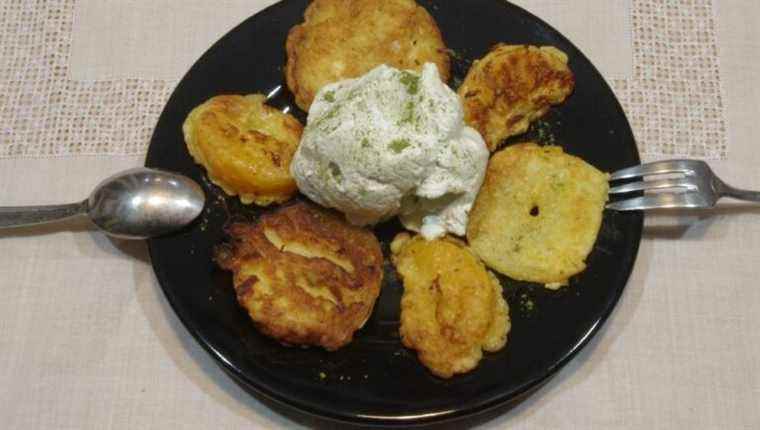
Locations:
(141, 203)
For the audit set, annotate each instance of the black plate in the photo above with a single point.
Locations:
(374, 379)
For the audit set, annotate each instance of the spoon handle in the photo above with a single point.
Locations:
(20, 216)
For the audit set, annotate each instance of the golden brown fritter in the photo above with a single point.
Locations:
(342, 39)
(511, 87)
(305, 276)
(452, 308)
(245, 146)
(538, 213)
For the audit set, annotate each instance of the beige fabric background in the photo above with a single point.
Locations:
(156, 39)
(87, 340)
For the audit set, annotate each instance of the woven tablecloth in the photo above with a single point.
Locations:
(87, 340)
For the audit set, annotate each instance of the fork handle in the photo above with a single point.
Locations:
(739, 194)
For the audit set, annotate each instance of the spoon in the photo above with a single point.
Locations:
(135, 204)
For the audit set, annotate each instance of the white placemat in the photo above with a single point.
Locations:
(156, 39)
(91, 77)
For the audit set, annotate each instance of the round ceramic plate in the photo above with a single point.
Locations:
(375, 379)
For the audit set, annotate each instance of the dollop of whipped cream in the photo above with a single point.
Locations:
(392, 142)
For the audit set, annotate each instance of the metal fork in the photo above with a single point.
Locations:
(692, 185)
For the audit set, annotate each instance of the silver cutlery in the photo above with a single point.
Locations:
(134, 204)
(674, 184)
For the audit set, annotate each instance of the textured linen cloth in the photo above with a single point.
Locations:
(87, 340)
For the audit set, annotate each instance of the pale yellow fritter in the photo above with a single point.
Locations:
(452, 308)
(305, 276)
(341, 39)
(245, 146)
(538, 214)
(511, 87)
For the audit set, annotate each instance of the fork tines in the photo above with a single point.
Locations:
(679, 189)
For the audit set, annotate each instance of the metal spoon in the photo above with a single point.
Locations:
(134, 204)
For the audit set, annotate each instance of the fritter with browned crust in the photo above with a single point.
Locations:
(342, 39)
(305, 276)
(245, 146)
(538, 213)
(511, 87)
(452, 308)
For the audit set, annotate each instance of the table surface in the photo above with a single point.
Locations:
(87, 339)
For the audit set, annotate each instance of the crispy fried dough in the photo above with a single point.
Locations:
(245, 146)
(538, 214)
(511, 87)
(341, 39)
(305, 276)
(452, 308)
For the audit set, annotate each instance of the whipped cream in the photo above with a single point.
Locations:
(392, 142)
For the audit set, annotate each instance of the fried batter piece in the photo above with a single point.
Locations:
(305, 276)
(452, 308)
(245, 146)
(538, 213)
(511, 87)
(342, 39)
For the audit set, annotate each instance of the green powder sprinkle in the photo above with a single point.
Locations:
(335, 170)
(330, 96)
(332, 113)
(365, 143)
(411, 82)
(399, 145)
(408, 115)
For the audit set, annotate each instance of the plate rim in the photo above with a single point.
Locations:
(254, 387)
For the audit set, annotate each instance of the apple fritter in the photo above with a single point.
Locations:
(342, 39)
(305, 276)
(452, 308)
(538, 213)
(511, 87)
(245, 146)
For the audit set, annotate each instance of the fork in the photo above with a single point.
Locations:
(690, 184)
